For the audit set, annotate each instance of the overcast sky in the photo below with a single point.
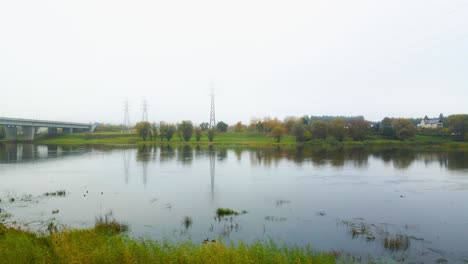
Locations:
(80, 60)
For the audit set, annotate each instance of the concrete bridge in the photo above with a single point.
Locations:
(29, 127)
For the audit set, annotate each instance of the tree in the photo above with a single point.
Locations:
(154, 128)
(211, 134)
(403, 128)
(222, 127)
(386, 128)
(239, 127)
(458, 126)
(278, 133)
(336, 129)
(162, 130)
(198, 133)
(179, 131)
(299, 132)
(143, 129)
(186, 130)
(319, 130)
(289, 122)
(170, 131)
(358, 128)
(204, 126)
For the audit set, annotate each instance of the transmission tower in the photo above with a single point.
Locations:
(145, 111)
(212, 112)
(126, 123)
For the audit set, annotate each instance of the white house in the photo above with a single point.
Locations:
(432, 122)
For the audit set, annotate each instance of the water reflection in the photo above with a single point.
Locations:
(263, 157)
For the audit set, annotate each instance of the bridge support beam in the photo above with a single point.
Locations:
(11, 133)
(28, 133)
(67, 130)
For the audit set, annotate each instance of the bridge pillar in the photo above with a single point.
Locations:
(52, 131)
(28, 133)
(67, 130)
(11, 132)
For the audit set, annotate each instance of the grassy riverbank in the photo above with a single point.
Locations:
(104, 245)
(251, 139)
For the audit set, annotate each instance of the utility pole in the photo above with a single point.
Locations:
(145, 111)
(212, 112)
(126, 123)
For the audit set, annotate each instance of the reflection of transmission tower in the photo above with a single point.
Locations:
(212, 112)
(126, 123)
(126, 157)
(145, 111)
(212, 173)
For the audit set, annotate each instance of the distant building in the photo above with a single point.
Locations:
(432, 122)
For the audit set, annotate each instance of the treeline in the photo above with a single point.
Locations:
(307, 128)
(166, 131)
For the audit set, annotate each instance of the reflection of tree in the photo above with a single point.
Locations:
(222, 154)
(359, 156)
(457, 160)
(404, 158)
(238, 151)
(185, 154)
(167, 153)
(144, 153)
(337, 158)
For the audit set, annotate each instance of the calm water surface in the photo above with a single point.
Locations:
(347, 200)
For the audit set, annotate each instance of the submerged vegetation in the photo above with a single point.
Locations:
(95, 246)
(222, 212)
(59, 193)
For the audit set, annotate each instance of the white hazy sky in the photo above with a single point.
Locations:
(80, 60)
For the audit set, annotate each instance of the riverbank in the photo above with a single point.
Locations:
(251, 139)
(104, 244)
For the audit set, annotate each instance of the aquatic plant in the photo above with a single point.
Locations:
(222, 212)
(187, 222)
(396, 243)
(108, 224)
(60, 193)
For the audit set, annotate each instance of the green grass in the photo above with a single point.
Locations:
(252, 139)
(95, 246)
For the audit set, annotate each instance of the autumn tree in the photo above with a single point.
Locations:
(299, 132)
(458, 126)
(403, 128)
(336, 129)
(239, 127)
(143, 129)
(278, 133)
(358, 128)
(319, 130)
(289, 123)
